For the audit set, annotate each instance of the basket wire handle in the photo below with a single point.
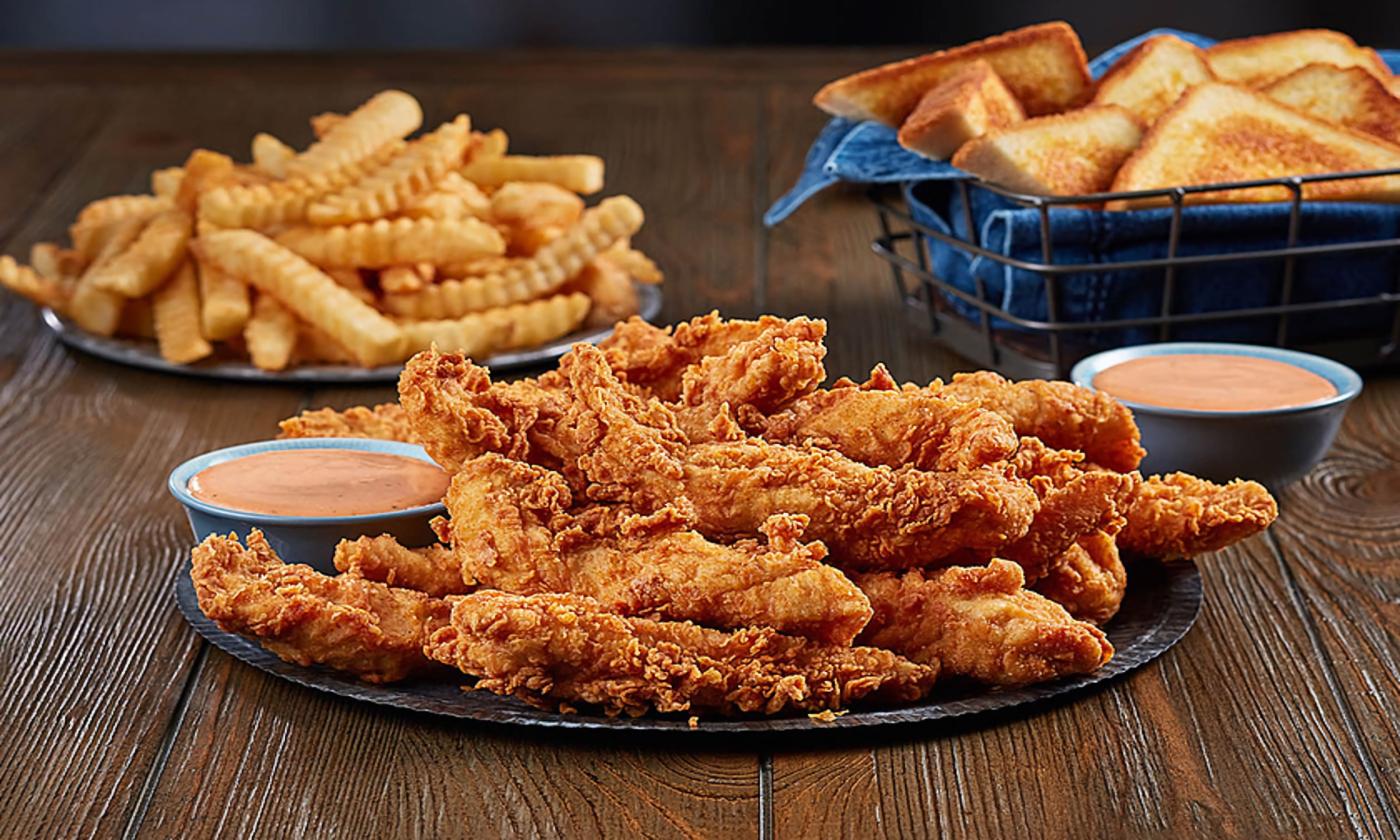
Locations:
(1295, 214)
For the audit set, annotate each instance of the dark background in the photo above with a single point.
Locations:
(442, 24)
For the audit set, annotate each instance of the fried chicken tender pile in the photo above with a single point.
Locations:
(685, 520)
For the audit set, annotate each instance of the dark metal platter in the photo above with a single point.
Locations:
(1162, 603)
(144, 354)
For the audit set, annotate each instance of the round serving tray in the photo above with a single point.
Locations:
(143, 354)
(1162, 603)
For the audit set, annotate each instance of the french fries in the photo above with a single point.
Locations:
(139, 270)
(384, 243)
(175, 308)
(365, 247)
(372, 338)
(579, 173)
(271, 334)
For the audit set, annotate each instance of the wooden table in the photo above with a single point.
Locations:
(1276, 716)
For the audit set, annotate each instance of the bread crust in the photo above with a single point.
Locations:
(972, 102)
(1151, 77)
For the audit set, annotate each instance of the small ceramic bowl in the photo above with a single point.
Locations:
(1272, 446)
(304, 539)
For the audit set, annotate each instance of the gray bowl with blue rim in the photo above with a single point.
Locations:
(304, 539)
(1274, 446)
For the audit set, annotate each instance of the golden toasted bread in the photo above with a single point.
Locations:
(1148, 80)
(1257, 61)
(1043, 65)
(1221, 132)
(1346, 95)
(970, 103)
(1073, 153)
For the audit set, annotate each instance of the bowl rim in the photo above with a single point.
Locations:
(178, 481)
(1347, 381)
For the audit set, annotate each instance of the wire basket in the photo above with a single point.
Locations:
(975, 325)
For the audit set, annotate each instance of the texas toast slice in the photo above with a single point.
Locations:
(1044, 66)
(1220, 133)
(970, 103)
(1150, 78)
(1072, 153)
(1259, 60)
(1346, 95)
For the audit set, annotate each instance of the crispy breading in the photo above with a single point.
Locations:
(657, 357)
(1088, 580)
(386, 421)
(350, 624)
(1062, 414)
(433, 570)
(512, 528)
(556, 650)
(1179, 514)
(880, 424)
(981, 623)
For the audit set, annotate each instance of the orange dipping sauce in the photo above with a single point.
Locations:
(320, 482)
(1213, 382)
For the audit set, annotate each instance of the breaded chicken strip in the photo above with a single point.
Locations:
(383, 422)
(555, 651)
(350, 624)
(980, 623)
(616, 446)
(1179, 514)
(512, 529)
(881, 424)
(656, 358)
(433, 570)
(1062, 414)
(1088, 580)
(751, 379)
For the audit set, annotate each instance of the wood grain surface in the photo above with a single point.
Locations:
(1275, 717)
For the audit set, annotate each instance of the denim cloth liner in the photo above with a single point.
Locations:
(867, 152)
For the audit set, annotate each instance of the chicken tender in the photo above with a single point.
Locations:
(350, 624)
(1181, 515)
(656, 358)
(881, 424)
(980, 623)
(383, 422)
(1062, 414)
(512, 529)
(1088, 580)
(557, 650)
(433, 570)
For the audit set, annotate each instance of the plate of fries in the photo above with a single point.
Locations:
(340, 261)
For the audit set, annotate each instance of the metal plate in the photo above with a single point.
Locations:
(1162, 603)
(143, 353)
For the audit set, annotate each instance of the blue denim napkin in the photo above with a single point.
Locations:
(866, 152)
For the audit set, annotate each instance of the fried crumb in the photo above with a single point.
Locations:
(693, 723)
(826, 715)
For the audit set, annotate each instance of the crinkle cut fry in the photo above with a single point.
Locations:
(361, 627)
(512, 528)
(981, 623)
(1062, 414)
(556, 651)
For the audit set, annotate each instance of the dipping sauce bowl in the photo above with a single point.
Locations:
(1274, 446)
(304, 539)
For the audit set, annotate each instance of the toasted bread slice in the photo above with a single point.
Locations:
(1346, 95)
(1043, 65)
(1257, 61)
(1221, 132)
(970, 103)
(1073, 153)
(1149, 80)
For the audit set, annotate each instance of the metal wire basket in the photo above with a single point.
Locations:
(992, 336)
